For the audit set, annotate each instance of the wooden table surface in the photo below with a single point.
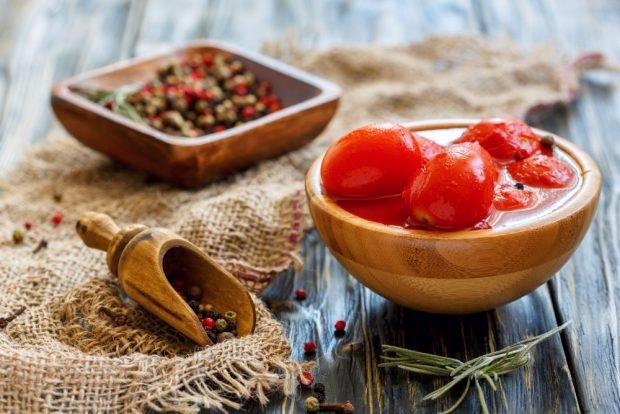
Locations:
(42, 41)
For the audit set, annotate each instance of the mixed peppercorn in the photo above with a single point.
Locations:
(202, 94)
(219, 327)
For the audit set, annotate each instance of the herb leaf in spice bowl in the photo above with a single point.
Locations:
(483, 369)
(196, 113)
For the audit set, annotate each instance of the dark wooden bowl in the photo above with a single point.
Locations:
(309, 104)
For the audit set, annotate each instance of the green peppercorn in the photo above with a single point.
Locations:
(201, 105)
(219, 60)
(238, 100)
(222, 72)
(194, 292)
(150, 109)
(230, 316)
(312, 404)
(230, 116)
(18, 236)
(221, 325)
(158, 102)
(236, 66)
(173, 119)
(224, 336)
(172, 80)
(205, 121)
(157, 123)
(179, 104)
(190, 131)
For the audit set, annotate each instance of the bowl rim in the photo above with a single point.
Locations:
(328, 92)
(588, 190)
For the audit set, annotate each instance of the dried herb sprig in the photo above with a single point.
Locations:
(488, 367)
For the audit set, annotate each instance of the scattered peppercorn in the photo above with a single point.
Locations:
(309, 347)
(305, 379)
(28, 224)
(42, 245)
(6, 320)
(57, 197)
(18, 236)
(311, 404)
(519, 186)
(348, 408)
(340, 325)
(57, 218)
(547, 141)
(319, 396)
(194, 292)
(202, 94)
(319, 388)
(300, 294)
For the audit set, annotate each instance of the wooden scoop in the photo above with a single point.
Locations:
(144, 258)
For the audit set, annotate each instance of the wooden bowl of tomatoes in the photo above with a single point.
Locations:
(453, 216)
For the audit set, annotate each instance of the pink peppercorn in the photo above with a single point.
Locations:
(310, 347)
(340, 325)
(57, 218)
(28, 225)
(305, 379)
(208, 323)
(300, 294)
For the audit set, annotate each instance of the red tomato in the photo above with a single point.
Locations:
(540, 170)
(371, 161)
(386, 210)
(454, 190)
(428, 148)
(507, 197)
(505, 139)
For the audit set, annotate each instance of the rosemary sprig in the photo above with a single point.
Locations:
(488, 367)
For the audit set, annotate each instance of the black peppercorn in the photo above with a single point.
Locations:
(319, 388)
(194, 305)
(547, 141)
(319, 396)
(519, 186)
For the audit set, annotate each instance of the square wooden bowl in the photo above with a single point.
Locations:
(309, 103)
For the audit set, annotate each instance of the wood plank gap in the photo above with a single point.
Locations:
(565, 346)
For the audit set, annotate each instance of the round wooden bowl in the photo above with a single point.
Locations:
(460, 271)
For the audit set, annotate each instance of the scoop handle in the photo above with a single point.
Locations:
(96, 230)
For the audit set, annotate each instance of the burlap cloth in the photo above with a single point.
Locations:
(65, 352)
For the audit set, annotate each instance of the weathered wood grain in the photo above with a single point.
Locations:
(49, 40)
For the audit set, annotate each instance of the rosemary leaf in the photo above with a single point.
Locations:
(488, 367)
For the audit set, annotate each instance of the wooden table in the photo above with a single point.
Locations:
(46, 40)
